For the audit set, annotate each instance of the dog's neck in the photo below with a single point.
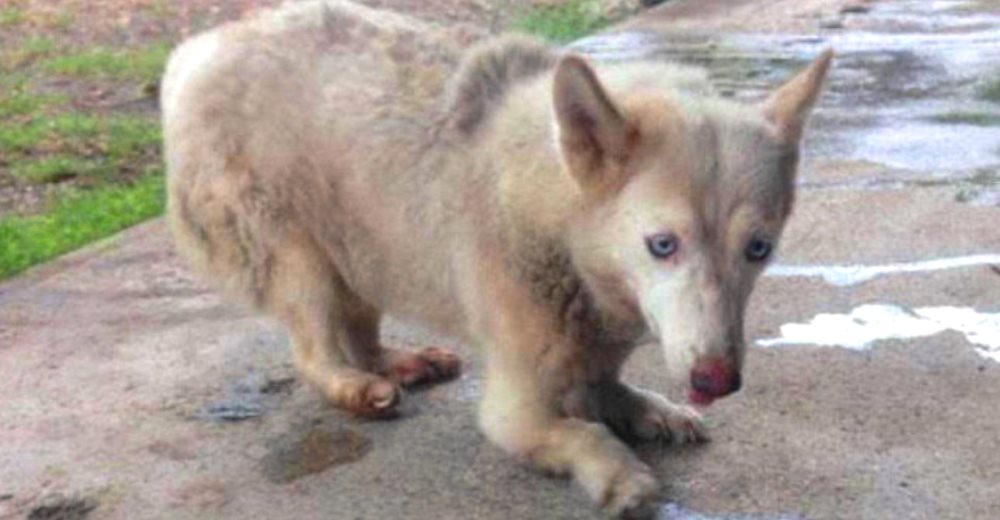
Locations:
(545, 265)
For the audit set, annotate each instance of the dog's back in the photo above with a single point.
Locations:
(264, 120)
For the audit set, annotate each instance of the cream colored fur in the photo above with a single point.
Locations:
(332, 163)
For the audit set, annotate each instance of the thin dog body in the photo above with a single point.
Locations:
(332, 164)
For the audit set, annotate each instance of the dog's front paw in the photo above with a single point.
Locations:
(631, 493)
(625, 488)
(660, 419)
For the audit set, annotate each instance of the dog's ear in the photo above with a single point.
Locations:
(594, 136)
(788, 107)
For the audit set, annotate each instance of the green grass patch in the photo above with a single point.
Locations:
(564, 22)
(30, 50)
(118, 138)
(20, 103)
(968, 118)
(72, 126)
(11, 16)
(57, 168)
(128, 136)
(20, 138)
(144, 64)
(76, 219)
(990, 89)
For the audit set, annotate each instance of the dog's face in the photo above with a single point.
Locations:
(684, 204)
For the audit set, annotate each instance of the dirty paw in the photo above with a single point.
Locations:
(661, 419)
(367, 396)
(630, 494)
(430, 365)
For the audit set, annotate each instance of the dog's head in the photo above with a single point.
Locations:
(684, 201)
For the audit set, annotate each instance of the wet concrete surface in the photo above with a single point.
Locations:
(133, 390)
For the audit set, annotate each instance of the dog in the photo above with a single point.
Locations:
(332, 163)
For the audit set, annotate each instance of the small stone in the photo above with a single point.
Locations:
(279, 385)
(831, 23)
(232, 411)
(855, 9)
(58, 507)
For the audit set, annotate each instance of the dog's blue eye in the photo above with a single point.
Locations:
(758, 249)
(662, 245)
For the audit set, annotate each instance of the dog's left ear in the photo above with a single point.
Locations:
(788, 107)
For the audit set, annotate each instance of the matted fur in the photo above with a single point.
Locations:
(332, 163)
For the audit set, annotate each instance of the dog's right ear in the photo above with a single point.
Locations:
(594, 136)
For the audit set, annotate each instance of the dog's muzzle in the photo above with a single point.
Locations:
(713, 378)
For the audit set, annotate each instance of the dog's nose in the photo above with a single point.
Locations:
(714, 378)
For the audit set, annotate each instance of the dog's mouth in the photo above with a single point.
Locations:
(700, 398)
(712, 378)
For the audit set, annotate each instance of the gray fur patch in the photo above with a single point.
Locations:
(487, 74)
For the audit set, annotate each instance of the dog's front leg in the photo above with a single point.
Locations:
(519, 413)
(635, 413)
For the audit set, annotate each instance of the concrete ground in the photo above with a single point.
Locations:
(130, 390)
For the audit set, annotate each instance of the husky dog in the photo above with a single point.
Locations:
(332, 163)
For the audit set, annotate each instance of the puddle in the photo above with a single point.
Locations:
(921, 146)
(867, 324)
(679, 512)
(846, 275)
(905, 64)
(299, 454)
(63, 508)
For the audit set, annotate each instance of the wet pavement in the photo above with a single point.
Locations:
(132, 391)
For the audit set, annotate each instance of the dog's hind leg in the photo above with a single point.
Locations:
(334, 333)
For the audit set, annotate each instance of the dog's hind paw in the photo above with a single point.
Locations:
(413, 368)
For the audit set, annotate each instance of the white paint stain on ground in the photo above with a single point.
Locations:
(873, 322)
(845, 275)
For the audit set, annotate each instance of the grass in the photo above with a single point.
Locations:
(968, 118)
(113, 158)
(20, 103)
(144, 64)
(27, 52)
(57, 168)
(19, 138)
(50, 148)
(76, 219)
(49, 135)
(11, 16)
(564, 22)
(990, 89)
